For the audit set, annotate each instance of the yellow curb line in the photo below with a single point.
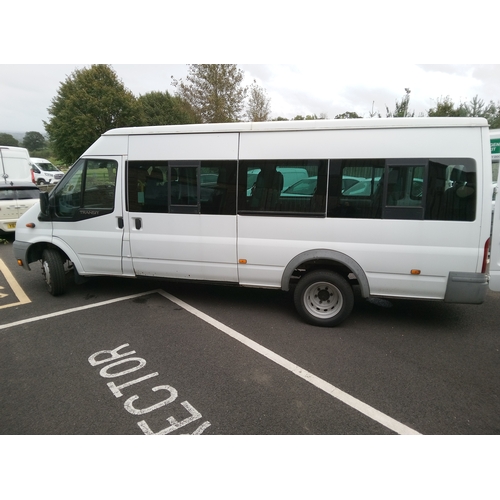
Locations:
(18, 291)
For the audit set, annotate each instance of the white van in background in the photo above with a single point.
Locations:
(15, 165)
(45, 172)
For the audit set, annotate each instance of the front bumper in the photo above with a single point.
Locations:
(20, 249)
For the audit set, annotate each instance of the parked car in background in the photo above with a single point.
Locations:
(44, 172)
(290, 176)
(307, 186)
(15, 199)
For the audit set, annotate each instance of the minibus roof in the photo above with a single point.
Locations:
(276, 126)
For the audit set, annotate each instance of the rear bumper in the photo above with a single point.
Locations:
(8, 225)
(466, 288)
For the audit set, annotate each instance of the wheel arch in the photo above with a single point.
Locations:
(35, 252)
(324, 259)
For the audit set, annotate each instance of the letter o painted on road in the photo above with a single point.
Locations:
(104, 372)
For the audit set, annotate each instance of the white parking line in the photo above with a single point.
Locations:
(76, 309)
(330, 389)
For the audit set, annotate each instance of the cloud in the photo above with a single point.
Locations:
(331, 86)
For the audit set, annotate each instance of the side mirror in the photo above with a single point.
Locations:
(44, 203)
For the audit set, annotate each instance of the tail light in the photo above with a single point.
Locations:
(485, 256)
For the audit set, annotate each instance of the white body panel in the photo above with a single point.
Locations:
(375, 245)
(188, 246)
(370, 143)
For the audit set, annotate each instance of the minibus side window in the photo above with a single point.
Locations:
(68, 193)
(451, 189)
(282, 187)
(100, 184)
(218, 187)
(88, 190)
(184, 188)
(356, 188)
(190, 187)
(419, 189)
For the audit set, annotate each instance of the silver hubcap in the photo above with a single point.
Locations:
(46, 272)
(323, 300)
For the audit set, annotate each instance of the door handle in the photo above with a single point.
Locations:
(138, 223)
(120, 222)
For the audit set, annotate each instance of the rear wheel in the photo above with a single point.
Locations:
(323, 298)
(53, 271)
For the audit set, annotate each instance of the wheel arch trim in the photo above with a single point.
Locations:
(63, 247)
(330, 255)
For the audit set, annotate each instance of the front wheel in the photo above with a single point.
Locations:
(53, 271)
(323, 298)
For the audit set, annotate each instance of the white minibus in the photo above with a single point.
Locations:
(206, 203)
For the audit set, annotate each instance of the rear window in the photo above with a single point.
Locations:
(19, 194)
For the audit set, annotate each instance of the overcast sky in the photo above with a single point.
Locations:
(26, 90)
(310, 60)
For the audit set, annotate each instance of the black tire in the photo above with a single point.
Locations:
(53, 271)
(40, 182)
(323, 298)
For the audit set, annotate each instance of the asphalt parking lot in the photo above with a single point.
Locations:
(121, 356)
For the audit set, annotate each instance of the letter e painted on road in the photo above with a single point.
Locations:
(131, 409)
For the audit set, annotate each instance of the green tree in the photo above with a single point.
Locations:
(402, 108)
(214, 91)
(8, 140)
(322, 116)
(494, 119)
(446, 107)
(161, 108)
(34, 141)
(258, 108)
(475, 107)
(347, 114)
(90, 102)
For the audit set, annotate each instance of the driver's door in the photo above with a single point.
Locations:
(88, 215)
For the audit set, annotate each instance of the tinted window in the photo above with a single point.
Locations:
(439, 189)
(451, 189)
(19, 194)
(27, 194)
(355, 188)
(88, 190)
(206, 187)
(286, 187)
